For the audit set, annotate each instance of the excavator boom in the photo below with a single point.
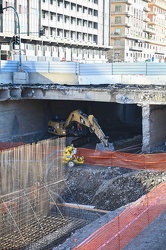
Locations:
(81, 118)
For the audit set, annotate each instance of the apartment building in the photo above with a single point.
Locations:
(138, 29)
(65, 30)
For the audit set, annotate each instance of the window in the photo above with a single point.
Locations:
(117, 55)
(90, 12)
(20, 9)
(85, 10)
(117, 31)
(59, 18)
(73, 7)
(90, 24)
(118, 8)
(95, 25)
(118, 19)
(95, 13)
(79, 22)
(85, 23)
(117, 42)
(79, 8)
(43, 14)
(73, 20)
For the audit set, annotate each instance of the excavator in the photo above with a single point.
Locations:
(76, 125)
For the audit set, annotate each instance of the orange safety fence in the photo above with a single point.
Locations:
(126, 160)
(117, 233)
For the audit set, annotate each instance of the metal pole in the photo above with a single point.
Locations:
(16, 13)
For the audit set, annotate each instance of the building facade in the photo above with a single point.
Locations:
(65, 30)
(138, 29)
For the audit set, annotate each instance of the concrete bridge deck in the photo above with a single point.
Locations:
(150, 98)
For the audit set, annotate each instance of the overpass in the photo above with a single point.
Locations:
(120, 91)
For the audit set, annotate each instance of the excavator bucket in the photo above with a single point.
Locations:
(100, 146)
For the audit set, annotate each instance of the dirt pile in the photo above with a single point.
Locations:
(108, 188)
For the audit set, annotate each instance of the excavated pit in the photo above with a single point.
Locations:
(103, 188)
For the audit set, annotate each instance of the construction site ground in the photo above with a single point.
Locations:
(112, 189)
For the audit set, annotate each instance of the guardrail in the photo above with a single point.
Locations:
(86, 69)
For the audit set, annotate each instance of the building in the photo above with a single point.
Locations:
(65, 30)
(138, 29)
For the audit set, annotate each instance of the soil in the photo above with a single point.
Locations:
(108, 188)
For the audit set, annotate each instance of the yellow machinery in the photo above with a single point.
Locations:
(70, 158)
(76, 124)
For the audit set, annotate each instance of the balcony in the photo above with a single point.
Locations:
(115, 34)
(149, 30)
(129, 2)
(136, 48)
(129, 13)
(153, 22)
(159, 52)
(146, 19)
(114, 12)
(146, 9)
(122, 23)
(128, 24)
(152, 13)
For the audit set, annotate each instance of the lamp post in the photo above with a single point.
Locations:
(16, 13)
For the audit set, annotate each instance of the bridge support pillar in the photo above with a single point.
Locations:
(153, 127)
(146, 128)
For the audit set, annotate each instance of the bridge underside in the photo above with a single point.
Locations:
(133, 109)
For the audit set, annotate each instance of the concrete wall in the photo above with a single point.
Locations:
(6, 77)
(22, 118)
(157, 125)
(124, 79)
(38, 78)
(50, 78)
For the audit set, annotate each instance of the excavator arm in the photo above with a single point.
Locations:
(91, 122)
(96, 129)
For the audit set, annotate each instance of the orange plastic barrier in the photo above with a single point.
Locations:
(125, 160)
(117, 233)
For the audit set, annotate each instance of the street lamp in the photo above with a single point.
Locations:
(19, 40)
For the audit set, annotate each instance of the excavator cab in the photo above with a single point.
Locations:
(57, 128)
(70, 158)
